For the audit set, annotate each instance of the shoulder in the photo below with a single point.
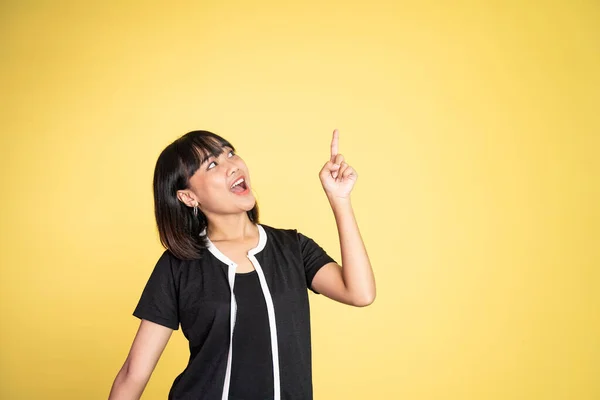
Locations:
(291, 233)
(169, 261)
(285, 236)
(280, 232)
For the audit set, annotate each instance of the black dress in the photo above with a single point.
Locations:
(196, 294)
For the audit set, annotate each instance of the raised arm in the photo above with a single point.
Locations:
(353, 282)
(148, 345)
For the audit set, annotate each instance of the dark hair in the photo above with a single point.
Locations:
(178, 228)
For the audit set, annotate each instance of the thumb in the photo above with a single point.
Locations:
(329, 168)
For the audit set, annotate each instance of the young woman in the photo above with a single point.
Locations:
(237, 288)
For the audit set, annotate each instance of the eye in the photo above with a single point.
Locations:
(230, 154)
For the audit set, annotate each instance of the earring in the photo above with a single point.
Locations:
(196, 209)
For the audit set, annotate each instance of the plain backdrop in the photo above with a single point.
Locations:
(474, 127)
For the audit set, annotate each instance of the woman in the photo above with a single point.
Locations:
(237, 288)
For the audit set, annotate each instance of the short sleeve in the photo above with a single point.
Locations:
(313, 258)
(158, 302)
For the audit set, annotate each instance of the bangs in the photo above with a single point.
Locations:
(198, 148)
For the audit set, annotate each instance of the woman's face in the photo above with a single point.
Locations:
(214, 184)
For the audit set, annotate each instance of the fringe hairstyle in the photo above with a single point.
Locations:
(178, 228)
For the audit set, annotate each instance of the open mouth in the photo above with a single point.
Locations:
(239, 186)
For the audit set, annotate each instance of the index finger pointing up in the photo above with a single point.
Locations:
(334, 145)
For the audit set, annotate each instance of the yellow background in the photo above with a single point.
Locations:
(474, 128)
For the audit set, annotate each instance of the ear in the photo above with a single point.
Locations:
(187, 197)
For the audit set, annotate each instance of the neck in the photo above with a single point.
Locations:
(230, 227)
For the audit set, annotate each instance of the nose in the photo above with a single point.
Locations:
(232, 168)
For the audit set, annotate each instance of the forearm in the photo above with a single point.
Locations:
(356, 267)
(126, 386)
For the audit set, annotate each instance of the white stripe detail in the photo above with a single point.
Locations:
(231, 271)
(232, 315)
(272, 326)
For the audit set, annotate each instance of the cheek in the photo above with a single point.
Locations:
(213, 184)
(244, 168)
(207, 188)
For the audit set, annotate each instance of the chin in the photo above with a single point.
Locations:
(245, 203)
(250, 205)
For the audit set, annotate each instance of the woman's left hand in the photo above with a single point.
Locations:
(337, 177)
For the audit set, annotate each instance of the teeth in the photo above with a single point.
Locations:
(237, 182)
